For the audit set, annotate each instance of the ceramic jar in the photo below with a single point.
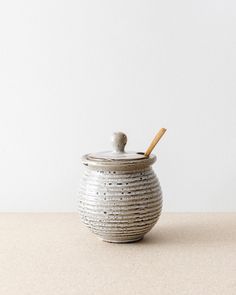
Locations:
(120, 197)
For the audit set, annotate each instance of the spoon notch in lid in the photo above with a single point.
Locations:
(154, 142)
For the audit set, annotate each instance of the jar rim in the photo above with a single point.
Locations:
(117, 164)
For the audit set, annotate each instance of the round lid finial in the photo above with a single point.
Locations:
(119, 141)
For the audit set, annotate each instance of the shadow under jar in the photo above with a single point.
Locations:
(120, 197)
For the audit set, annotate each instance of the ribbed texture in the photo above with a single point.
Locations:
(120, 206)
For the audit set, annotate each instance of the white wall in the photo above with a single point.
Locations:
(72, 72)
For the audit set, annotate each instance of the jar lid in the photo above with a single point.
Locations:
(118, 156)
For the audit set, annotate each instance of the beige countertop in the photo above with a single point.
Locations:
(53, 253)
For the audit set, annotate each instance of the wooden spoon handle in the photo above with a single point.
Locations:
(155, 141)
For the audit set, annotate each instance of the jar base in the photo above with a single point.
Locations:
(122, 241)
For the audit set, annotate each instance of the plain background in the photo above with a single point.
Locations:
(72, 72)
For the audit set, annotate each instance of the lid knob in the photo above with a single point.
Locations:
(119, 141)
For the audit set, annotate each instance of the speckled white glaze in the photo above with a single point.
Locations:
(120, 202)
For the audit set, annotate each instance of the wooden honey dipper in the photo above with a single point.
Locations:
(154, 142)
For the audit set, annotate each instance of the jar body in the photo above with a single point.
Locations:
(120, 206)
